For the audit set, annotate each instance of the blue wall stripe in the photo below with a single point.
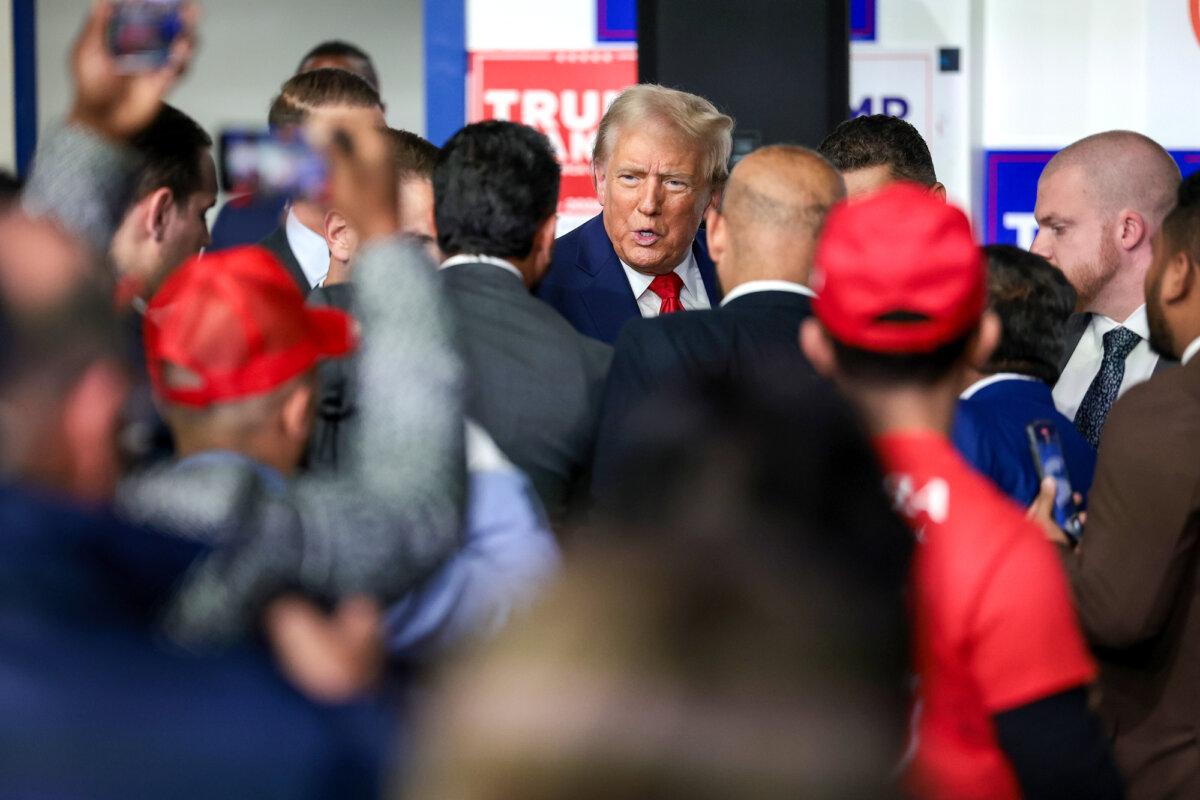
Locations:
(24, 19)
(445, 68)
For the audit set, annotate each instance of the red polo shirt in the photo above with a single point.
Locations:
(993, 622)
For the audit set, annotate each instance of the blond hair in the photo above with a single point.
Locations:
(692, 115)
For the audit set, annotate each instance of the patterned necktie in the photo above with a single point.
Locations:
(1093, 411)
(667, 287)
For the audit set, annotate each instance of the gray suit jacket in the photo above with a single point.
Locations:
(1135, 583)
(534, 383)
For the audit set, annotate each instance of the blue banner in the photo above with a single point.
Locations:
(1010, 191)
(862, 20)
(616, 20)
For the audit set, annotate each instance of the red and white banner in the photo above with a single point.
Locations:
(561, 93)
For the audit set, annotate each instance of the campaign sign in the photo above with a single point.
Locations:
(561, 93)
(1010, 192)
(616, 20)
(862, 20)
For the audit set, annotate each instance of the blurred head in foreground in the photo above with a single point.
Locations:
(735, 630)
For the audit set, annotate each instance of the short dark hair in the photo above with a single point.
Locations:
(899, 369)
(880, 139)
(336, 48)
(1181, 227)
(415, 156)
(170, 151)
(302, 93)
(494, 184)
(1033, 300)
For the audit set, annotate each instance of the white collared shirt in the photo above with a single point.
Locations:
(309, 248)
(750, 287)
(1190, 351)
(1085, 362)
(693, 295)
(982, 384)
(465, 258)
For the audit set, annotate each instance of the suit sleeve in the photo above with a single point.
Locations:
(632, 378)
(393, 512)
(1139, 538)
(83, 181)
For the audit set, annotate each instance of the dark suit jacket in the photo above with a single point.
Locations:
(587, 284)
(752, 338)
(1076, 326)
(1134, 579)
(277, 243)
(533, 383)
(246, 220)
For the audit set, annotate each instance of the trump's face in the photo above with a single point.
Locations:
(654, 195)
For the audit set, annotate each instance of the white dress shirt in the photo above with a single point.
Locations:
(1085, 362)
(309, 248)
(750, 287)
(693, 295)
(454, 261)
(1190, 351)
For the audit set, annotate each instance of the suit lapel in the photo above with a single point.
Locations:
(1076, 325)
(277, 243)
(607, 295)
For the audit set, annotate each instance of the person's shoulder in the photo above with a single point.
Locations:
(573, 244)
(1167, 400)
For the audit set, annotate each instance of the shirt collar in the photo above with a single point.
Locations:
(687, 270)
(1190, 351)
(750, 287)
(474, 258)
(980, 385)
(271, 477)
(309, 247)
(1137, 322)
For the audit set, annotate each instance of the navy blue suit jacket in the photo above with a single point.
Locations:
(753, 338)
(586, 282)
(93, 704)
(989, 430)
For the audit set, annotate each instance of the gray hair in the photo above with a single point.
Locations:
(692, 115)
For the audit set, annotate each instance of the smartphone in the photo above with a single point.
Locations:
(271, 163)
(1050, 461)
(141, 32)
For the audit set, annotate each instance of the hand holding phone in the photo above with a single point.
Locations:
(280, 163)
(1051, 462)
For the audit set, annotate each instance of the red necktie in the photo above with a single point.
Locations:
(667, 287)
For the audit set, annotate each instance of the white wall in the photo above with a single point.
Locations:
(248, 48)
(8, 144)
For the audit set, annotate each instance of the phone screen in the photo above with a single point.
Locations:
(1052, 463)
(271, 164)
(141, 32)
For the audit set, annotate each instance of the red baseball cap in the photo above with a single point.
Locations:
(233, 325)
(898, 271)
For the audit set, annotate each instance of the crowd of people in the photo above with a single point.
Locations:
(768, 481)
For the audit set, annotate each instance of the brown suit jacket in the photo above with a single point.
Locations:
(1135, 584)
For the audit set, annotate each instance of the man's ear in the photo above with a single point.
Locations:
(1177, 279)
(159, 205)
(296, 416)
(599, 176)
(716, 234)
(339, 236)
(1131, 229)
(817, 347)
(985, 340)
(938, 190)
(543, 249)
(91, 411)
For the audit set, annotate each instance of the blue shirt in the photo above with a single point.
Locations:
(989, 431)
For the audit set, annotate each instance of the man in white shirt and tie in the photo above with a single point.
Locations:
(1099, 202)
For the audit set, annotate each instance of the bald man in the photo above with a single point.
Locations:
(1099, 202)
(762, 238)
